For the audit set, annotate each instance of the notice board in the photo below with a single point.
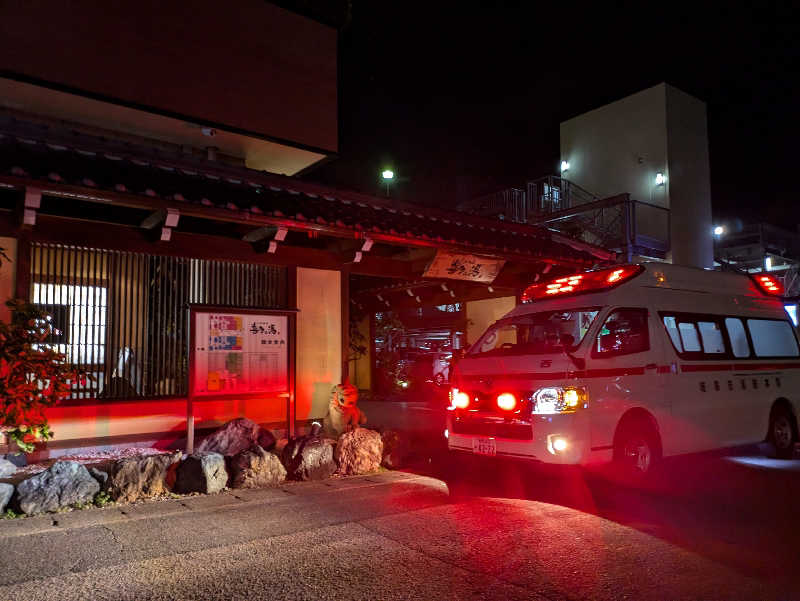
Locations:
(240, 352)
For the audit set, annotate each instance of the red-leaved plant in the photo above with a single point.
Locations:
(33, 375)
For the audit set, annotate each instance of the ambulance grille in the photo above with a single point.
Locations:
(489, 426)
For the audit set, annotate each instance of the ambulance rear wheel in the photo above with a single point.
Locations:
(637, 450)
(782, 432)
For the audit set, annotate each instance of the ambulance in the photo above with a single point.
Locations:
(631, 364)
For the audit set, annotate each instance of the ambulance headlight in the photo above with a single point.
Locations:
(558, 399)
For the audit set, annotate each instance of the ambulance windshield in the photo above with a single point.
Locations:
(536, 333)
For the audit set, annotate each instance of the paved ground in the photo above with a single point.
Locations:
(713, 527)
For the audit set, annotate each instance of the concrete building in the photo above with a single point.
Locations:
(634, 178)
(652, 145)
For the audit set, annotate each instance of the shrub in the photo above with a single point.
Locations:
(33, 375)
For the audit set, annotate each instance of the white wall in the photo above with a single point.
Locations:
(319, 340)
(620, 147)
(483, 313)
(690, 180)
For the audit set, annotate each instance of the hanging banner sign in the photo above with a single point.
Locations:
(456, 266)
(239, 353)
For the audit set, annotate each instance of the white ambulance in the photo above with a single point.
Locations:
(631, 363)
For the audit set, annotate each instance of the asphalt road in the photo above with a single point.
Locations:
(713, 527)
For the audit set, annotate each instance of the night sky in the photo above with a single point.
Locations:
(465, 98)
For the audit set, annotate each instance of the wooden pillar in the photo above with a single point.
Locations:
(345, 291)
(291, 303)
(373, 383)
(23, 265)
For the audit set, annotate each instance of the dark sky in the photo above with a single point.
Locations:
(465, 97)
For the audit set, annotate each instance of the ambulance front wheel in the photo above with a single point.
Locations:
(782, 432)
(637, 449)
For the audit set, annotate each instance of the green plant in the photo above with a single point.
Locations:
(10, 514)
(390, 330)
(102, 499)
(33, 375)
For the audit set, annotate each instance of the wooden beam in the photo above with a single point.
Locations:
(266, 231)
(224, 215)
(154, 219)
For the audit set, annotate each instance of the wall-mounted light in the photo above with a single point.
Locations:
(719, 230)
(564, 166)
(768, 263)
(660, 179)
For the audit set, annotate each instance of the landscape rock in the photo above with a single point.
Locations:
(236, 436)
(143, 476)
(395, 449)
(308, 458)
(6, 492)
(202, 472)
(100, 476)
(359, 452)
(7, 468)
(64, 484)
(18, 459)
(256, 468)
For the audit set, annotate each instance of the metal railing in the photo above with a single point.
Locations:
(618, 223)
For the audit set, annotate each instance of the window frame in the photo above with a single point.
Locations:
(694, 318)
(720, 320)
(595, 354)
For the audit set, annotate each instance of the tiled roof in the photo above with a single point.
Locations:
(61, 160)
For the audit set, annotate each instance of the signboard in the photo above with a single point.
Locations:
(237, 352)
(456, 266)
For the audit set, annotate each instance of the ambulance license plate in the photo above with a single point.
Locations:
(484, 446)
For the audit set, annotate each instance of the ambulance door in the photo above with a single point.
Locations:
(623, 372)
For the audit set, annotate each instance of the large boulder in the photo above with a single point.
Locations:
(308, 458)
(256, 468)
(359, 452)
(64, 484)
(202, 472)
(100, 476)
(236, 436)
(133, 478)
(7, 468)
(395, 449)
(6, 491)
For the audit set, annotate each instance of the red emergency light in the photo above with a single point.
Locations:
(506, 401)
(588, 281)
(769, 284)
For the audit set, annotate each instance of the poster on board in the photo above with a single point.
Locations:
(239, 353)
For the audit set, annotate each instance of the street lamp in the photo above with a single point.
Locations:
(388, 176)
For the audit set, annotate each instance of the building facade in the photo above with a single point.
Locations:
(146, 174)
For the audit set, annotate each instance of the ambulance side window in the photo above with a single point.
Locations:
(624, 332)
(689, 337)
(737, 336)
